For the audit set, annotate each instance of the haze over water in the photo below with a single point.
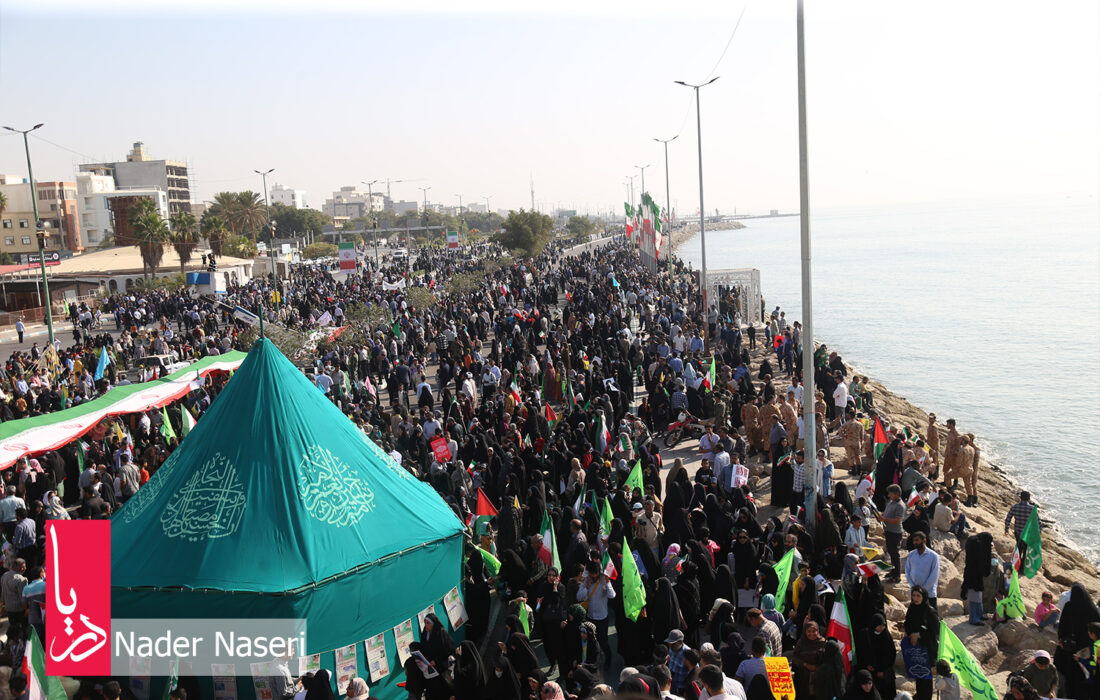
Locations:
(985, 311)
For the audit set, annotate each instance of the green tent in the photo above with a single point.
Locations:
(276, 506)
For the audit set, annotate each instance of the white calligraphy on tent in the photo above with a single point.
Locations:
(331, 492)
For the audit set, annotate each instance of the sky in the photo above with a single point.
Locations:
(907, 102)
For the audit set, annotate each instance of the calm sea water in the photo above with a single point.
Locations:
(988, 312)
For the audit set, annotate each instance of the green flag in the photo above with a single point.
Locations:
(633, 590)
(39, 685)
(1013, 604)
(783, 573)
(634, 479)
(523, 618)
(173, 681)
(965, 665)
(605, 518)
(1033, 556)
(492, 564)
(166, 425)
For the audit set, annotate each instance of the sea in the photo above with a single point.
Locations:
(985, 311)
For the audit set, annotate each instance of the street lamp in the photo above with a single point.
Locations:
(668, 201)
(424, 191)
(271, 244)
(702, 212)
(370, 208)
(39, 227)
(642, 168)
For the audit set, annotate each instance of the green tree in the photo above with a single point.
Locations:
(251, 213)
(291, 222)
(5, 258)
(224, 208)
(214, 231)
(526, 232)
(151, 232)
(581, 227)
(184, 237)
(239, 247)
(319, 250)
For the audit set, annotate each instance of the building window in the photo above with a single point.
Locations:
(7, 223)
(23, 223)
(9, 240)
(26, 240)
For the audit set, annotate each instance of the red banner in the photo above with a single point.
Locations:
(78, 597)
(441, 450)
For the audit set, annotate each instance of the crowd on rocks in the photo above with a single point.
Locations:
(553, 381)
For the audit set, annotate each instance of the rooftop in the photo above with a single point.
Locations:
(127, 259)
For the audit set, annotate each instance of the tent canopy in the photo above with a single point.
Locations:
(274, 492)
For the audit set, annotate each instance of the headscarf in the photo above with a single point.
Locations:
(521, 654)
(1077, 613)
(320, 687)
(829, 678)
(855, 689)
(673, 552)
(357, 689)
(552, 691)
(54, 509)
(469, 668)
(507, 686)
(767, 602)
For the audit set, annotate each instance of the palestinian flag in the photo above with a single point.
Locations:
(551, 416)
(879, 438)
(874, 568)
(840, 629)
(482, 513)
(549, 552)
(39, 685)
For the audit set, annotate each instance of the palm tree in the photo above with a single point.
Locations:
(213, 230)
(151, 232)
(224, 208)
(3, 203)
(250, 212)
(184, 228)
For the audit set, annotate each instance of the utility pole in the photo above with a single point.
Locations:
(532, 192)
(702, 211)
(370, 210)
(271, 242)
(427, 234)
(642, 198)
(668, 201)
(39, 229)
(809, 417)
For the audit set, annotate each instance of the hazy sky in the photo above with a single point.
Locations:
(908, 102)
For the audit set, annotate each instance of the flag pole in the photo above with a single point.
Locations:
(808, 415)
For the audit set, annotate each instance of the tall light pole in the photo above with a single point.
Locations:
(630, 178)
(271, 246)
(424, 191)
(809, 418)
(460, 219)
(641, 199)
(668, 200)
(39, 228)
(702, 211)
(370, 210)
(487, 210)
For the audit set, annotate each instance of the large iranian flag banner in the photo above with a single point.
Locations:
(29, 436)
(347, 256)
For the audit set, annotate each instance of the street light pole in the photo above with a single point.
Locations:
(668, 200)
(702, 211)
(460, 219)
(809, 417)
(642, 198)
(370, 209)
(39, 229)
(271, 241)
(424, 191)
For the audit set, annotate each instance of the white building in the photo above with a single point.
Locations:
(353, 203)
(404, 207)
(94, 193)
(288, 196)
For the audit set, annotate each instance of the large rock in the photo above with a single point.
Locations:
(951, 608)
(894, 609)
(1017, 635)
(979, 639)
(945, 544)
(950, 586)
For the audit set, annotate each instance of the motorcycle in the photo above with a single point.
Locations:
(685, 425)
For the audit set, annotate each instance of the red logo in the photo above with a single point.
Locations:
(78, 597)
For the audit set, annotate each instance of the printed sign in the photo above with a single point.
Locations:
(376, 657)
(423, 615)
(403, 635)
(918, 664)
(225, 681)
(456, 611)
(78, 592)
(441, 450)
(779, 677)
(347, 664)
(261, 681)
(309, 664)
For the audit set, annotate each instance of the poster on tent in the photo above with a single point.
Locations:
(347, 663)
(140, 670)
(376, 657)
(225, 681)
(423, 615)
(456, 611)
(261, 681)
(309, 664)
(403, 636)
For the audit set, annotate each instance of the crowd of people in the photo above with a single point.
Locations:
(553, 380)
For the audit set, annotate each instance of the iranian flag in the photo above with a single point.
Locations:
(605, 435)
(874, 568)
(879, 438)
(609, 566)
(549, 553)
(483, 512)
(579, 503)
(913, 498)
(39, 685)
(515, 393)
(188, 420)
(629, 215)
(840, 629)
(712, 375)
